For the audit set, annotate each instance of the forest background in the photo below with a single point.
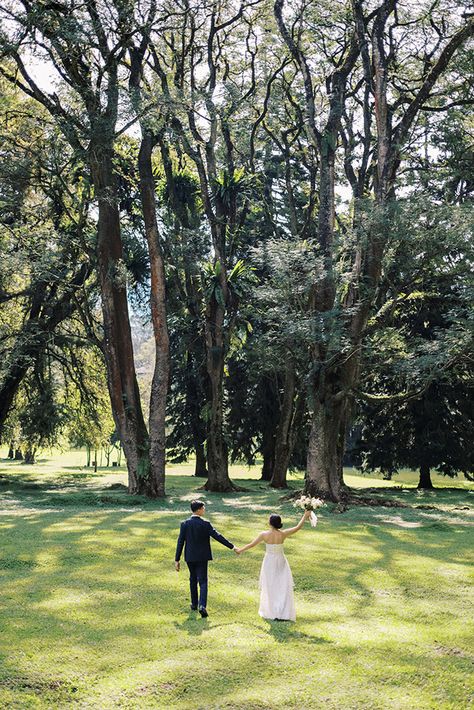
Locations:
(238, 232)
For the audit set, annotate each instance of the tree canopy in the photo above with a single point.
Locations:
(282, 190)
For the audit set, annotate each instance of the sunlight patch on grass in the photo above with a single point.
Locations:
(384, 601)
(398, 520)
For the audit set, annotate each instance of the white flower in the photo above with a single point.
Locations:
(308, 503)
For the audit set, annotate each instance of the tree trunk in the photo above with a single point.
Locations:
(330, 393)
(88, 449)
(268, 464)
(18, 455)
(118, 350)
(425, 482)
(324, 464)
(329, 425)
(270, 422)
(195, 397)
(216, 333)
(11, 451)
(200, 468)
(324, 475)
(216, 449)
(160, 382)
(283, 432)
(30, 455)
(268, 453)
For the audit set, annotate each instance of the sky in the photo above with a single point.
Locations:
(44, 74)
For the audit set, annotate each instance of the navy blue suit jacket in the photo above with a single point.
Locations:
(194, 535)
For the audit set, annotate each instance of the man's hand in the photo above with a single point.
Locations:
(176, 566)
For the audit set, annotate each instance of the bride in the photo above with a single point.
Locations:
(276, 581)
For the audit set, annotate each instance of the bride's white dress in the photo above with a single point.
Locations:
(276, 586)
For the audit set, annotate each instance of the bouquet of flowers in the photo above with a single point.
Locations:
(308, 503)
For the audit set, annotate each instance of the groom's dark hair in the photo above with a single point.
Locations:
(196, 504)
(275, 521)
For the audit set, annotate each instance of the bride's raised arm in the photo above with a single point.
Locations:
(292, 531)
(255, 542)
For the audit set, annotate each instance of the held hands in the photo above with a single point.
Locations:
(177, 566)
(237, 550)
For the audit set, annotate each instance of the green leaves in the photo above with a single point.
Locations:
(236, 281)
(238, 271)
(212, 285)
(228, 185)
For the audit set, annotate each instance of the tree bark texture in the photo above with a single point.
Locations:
(325, 451)
(160, 381)
(118, 350)
(30, 454)
(200, 467)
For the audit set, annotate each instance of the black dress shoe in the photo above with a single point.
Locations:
(193, 607)
(203, 611)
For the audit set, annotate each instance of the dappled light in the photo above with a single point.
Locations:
(236, 279)
(90, 591)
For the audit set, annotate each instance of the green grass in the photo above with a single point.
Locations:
(93, 614)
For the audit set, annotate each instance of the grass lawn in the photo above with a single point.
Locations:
(93, 614)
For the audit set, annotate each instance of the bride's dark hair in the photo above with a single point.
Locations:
(275, 521)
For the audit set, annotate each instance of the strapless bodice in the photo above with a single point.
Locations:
(274, 549)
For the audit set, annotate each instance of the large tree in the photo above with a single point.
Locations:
(160, 381)
(269, 109)
(46, 275)
(86, 46)
(417, 410)
(368, 49)
(205, 72)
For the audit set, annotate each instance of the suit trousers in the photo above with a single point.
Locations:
(198, 575)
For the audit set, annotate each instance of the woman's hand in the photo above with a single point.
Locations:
(237, 550)
(307, 514)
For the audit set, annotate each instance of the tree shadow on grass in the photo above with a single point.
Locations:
(408, 497)
(92, 552)
(44, 482)
(94, 561)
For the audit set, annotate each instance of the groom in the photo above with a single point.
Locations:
(195, 533)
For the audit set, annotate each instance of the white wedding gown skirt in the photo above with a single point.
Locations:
(277, 600)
